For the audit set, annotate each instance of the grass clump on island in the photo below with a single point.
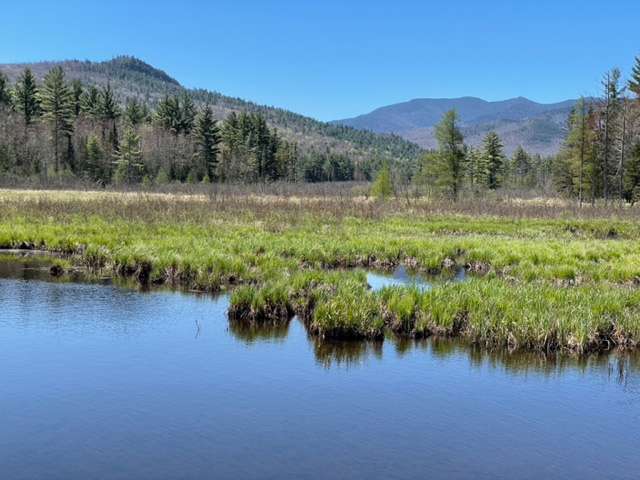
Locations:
(544, 275)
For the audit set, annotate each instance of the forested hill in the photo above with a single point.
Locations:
(539, 128)
(133, 78)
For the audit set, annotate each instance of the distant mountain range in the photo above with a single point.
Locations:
(133, 78)
(395, 131)
(539, 128)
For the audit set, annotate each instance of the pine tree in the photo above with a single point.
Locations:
(475, 171)
(90, 102)
(287, 160)
(494, 160)
(95, 161)
(109, 114)
(134, 113)
(623, 144)
(56, 99)
(632, 176)
(5, 95)
(129, 164)
(611, 88)
(26, 97)
(634, 82)
(168, 115)
(187, 114)
(78, 91)
(563, 178)
(522, 167)
(207, 138)
(270, 162)
(109, 108)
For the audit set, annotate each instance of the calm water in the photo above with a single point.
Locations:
(99, 382)
(403, 277)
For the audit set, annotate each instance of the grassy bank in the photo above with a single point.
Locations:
(545, 275)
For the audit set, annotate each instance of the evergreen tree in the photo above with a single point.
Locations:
(108, 105)
(207, 138)
(494, 159)
(271, 140)
(632, 176)
(250, 148)
(579, 149)
(563, 174)
(129, 164)
(109, 113)
(475, 169)
(134, 112)
(609, 111)
(56, 99)
(77, 91)
(5, 95)
(634, 82)
(96, 161)
(26, 97)
(522, 168)
(187, 114)
(90, 102)
(445, 169)
(622, 143)
(521, 163)
(287, 160)
(169, 116)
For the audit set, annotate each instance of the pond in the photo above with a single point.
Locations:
(402, 277)
(104, 382)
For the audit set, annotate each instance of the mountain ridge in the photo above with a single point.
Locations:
(538, 127)
(131, 77)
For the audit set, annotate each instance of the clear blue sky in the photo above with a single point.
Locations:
(334, 59)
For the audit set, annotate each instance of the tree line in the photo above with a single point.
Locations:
(601, 156)
(455, 169)
(66, 129)
(599, 160)
(62, 129)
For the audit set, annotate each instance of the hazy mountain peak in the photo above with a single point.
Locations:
(538, 127)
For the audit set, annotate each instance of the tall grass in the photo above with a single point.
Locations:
(552, 276)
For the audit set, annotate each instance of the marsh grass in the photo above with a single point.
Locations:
(548, 275)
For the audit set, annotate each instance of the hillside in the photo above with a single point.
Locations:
(539, 128)
(131, 77)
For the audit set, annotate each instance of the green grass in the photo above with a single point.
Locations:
(560, 280)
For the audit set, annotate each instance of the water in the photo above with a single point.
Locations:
(105, 383)
(402, 277)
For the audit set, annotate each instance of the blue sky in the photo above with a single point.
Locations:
(334, 59)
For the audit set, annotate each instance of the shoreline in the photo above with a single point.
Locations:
(257, 306)
(539, 283)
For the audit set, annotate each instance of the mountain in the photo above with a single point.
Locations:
(539, 128)
(131, 77)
